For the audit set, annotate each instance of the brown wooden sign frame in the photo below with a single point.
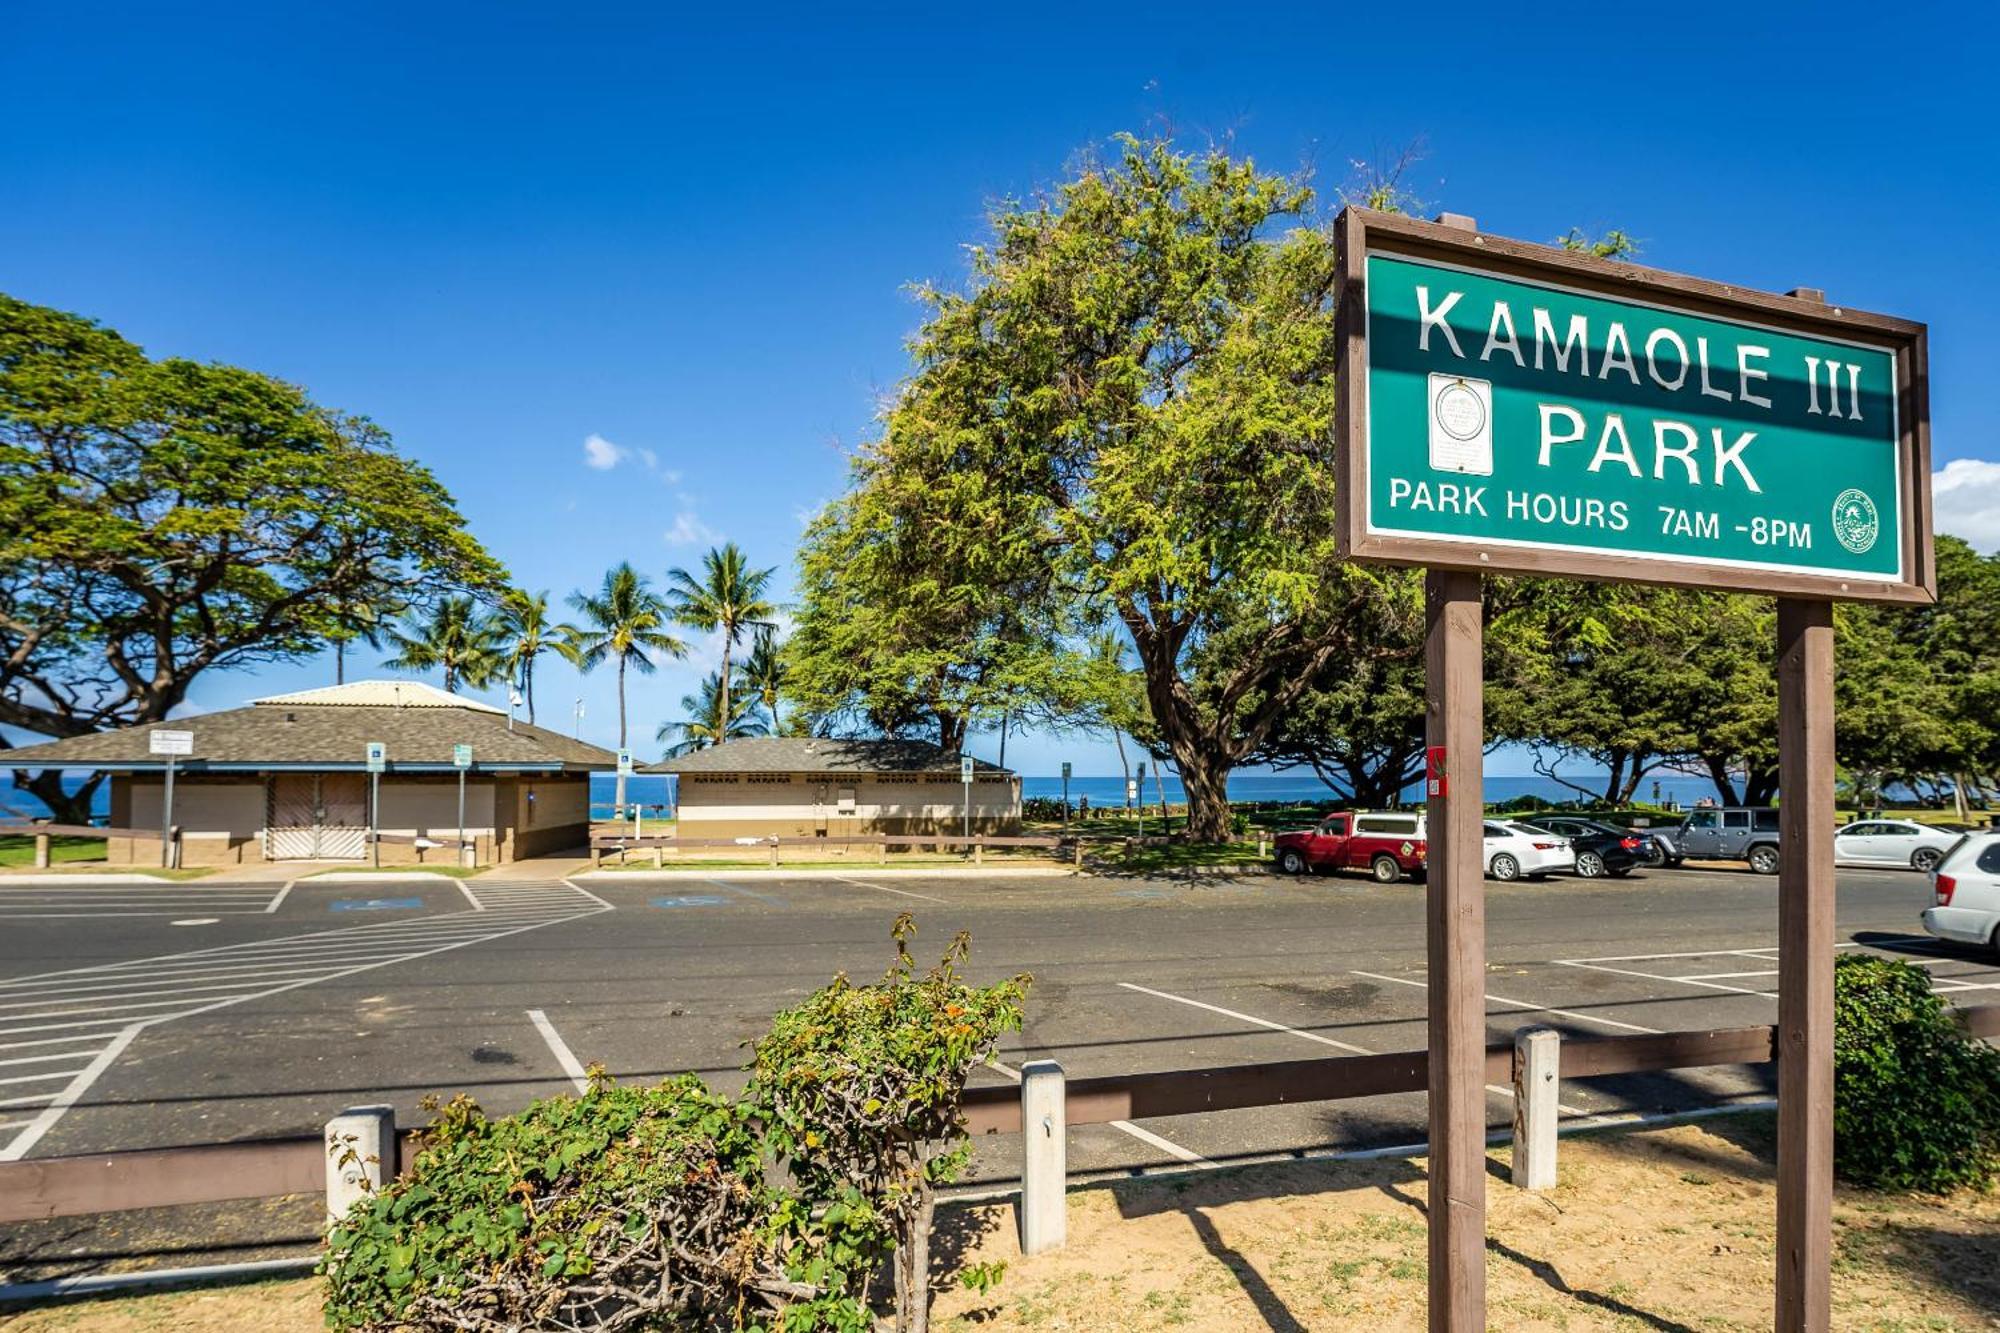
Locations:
(1361, 232)
(1455, 920)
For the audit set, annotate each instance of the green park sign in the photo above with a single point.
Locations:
(1517, 408)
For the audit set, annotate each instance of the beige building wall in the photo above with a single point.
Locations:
(222, 819)
(747, 805)
(430, 809)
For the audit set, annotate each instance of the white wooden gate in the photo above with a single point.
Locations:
(317, 816)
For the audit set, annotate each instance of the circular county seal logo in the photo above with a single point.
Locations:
(1855, 522)
(1460, 412)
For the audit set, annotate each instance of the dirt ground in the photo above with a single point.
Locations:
(1666, 1229)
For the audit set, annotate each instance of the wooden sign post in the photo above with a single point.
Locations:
(1507, 408)
(1455, 939)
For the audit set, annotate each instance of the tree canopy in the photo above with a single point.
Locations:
(160, 518)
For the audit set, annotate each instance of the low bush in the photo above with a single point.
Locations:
(625, 1207)
(675, 1207)
(1916, 1102)
(862, 1090)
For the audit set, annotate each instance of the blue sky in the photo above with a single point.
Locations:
(504, 230)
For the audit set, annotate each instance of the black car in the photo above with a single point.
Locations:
(1601, 849)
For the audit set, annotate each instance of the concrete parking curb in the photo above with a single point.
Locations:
(378, 876)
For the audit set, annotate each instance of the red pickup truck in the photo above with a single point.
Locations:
(1386, 846)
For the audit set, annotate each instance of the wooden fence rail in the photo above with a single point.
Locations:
(74, 831)
(211, 1173)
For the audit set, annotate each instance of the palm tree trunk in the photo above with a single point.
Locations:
(722, 731)
(450, 677)
(340, 661)
(1125, 764)
(618, 797)
(1004, 716)
(528, 684)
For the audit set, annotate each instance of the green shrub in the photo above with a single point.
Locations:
(1916, 1103)
(628, 1207)
(861, 1089)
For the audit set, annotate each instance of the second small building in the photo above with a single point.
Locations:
(814, 787)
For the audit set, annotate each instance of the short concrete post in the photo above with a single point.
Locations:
(360, 1156)
(979, 853)
(1537, 1075)
(1044, 1158)
(774, 853)
(659, 857)
(596, 857)
(41, 851)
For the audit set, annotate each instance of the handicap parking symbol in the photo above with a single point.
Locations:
(690, 900)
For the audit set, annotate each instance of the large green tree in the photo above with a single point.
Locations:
(1129, 407)
(164, 518)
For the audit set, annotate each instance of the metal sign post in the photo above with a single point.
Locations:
(1065, 796)
(171, 744)
(1137, 789)
(378, 759)
(1519, 409)
(624, 773)
(965, 780)
(461, 759)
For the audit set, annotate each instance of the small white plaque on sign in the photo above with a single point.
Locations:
(170, 742)
(1461, 425)
(378, 756)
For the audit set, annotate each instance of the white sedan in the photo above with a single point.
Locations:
(1514, 850)
(1891, 842)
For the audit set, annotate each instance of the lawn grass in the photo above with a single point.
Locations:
(20, 851)
(1180, 856)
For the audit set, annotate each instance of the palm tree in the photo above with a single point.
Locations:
(764, 671)
(728, 597)
(455, 637)
(703, 727)
(625, 621)
(523, 623)
(365, 622)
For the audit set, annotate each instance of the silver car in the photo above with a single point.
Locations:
(1892, 842)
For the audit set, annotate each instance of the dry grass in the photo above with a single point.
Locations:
(1666, 1230)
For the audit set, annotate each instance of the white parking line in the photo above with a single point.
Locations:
(1493, 1088)
(271, 907)
(1524, 1005)
(1145, 1136)
(204, 980)
(1249, 1018)
(565, 1057)
(862, 883)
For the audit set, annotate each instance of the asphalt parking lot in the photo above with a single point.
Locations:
(154, 1015)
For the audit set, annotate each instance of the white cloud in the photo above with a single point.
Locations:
(689, 530)
(601, 453)
(1966, 493)
(604, 455)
